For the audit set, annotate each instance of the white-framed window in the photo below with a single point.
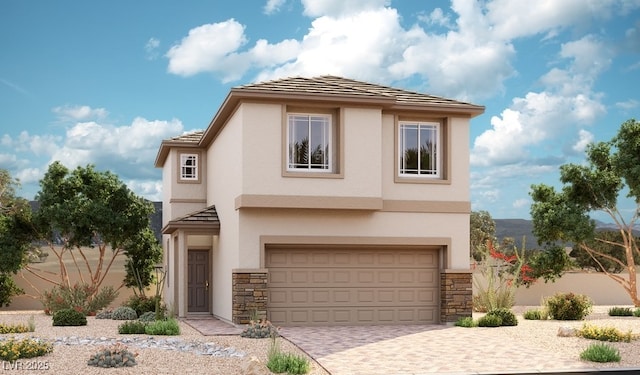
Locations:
(309, 140)
(189, 167)
(419, 149)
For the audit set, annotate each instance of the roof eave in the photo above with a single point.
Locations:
(211, 228)
(470, 110)
(166, 146)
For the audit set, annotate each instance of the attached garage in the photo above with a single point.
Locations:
(352, 285)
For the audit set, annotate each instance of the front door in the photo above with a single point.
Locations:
(198, 286)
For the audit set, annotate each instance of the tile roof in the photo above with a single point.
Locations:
(332, 85)
(205, 219)
(193, 137)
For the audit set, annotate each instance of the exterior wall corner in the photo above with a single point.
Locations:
(456, 295)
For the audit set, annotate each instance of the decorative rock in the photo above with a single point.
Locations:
(567, 332)
(251, 366)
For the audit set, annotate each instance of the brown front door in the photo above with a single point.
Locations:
(198, 286)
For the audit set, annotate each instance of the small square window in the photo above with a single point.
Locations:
(189, 167)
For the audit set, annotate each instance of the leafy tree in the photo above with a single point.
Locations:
(603, 244)
(15, 236)
(483, 231)
(86, 208)
(596, 187)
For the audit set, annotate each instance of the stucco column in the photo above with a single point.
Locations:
(182, 274)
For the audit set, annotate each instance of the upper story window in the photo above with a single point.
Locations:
(310, 143)
(189, 165)
(419, 149)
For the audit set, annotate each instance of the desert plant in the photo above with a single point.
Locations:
(104, 314)
(80, 296)
(568, 306)
(466, 322)
(532, 315)
(18, 327)
(507, 316)
(13, 349)
(149, 316)
(69, 317)
(636, 312)
(116, 355)
(620, 311)
(610, 334)
(279, 362)
(259, 329)
(141, 303)
(598, 352)
(132, 327)
(169, 327)
(490, 321)
(124, 313)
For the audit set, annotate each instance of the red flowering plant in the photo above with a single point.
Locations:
(501, 274)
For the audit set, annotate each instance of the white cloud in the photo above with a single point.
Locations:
(209, 48)
(519, 203)
(273, 6)
(628, 104)
(151, 48)
(584, 138)
(337, 8)
(79, 113)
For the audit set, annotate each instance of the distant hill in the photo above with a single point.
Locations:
(517, 228)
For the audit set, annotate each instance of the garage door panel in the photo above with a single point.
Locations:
(326, 286)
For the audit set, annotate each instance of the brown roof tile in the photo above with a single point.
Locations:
(205, 219)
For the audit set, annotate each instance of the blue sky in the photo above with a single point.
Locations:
(104, 82)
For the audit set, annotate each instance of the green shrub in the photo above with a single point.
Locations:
(149, 316)
(568, 306)
(69, 317)
(636, 312)
(611, 334)
(507, 316)
(490, 321)
(15, 328)
(132, 327)
(124, 313)
(79, 297)
(620, 311)
(169, 327)
(260, 329)
(532, 315)
(466, 322)
(279, 362)
(600, 353)
(116, 355)
(142, 304)
(12, 349)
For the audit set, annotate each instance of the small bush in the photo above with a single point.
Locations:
(104, 314)
(260, 329)
(568, 306)
(600, 353)
(490, 321)
(15, 328)
(532, 315)
(80, 297)
(132, 327)
(507, 316)
(149, 316)
(142, 304)
(169, 327)
(636, 312)
(466, 322)
(610, 334)
(12, 349)
(279, 362)
(69, 317)
(116, 355)
(620, 311)
(124, 313)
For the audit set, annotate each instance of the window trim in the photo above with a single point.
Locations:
(335, 135)
(198, 167)
(442, 176)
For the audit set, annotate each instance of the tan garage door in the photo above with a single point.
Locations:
(352, 285)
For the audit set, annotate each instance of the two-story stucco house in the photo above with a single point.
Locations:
(321, 201)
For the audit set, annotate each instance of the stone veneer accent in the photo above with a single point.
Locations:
(456, 295)
(249, 293)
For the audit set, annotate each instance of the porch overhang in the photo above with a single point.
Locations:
(204, 221)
